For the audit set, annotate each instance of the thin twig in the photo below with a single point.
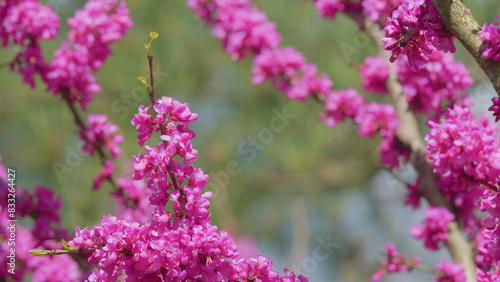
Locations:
(417, 266)
(488, 185)
(151, 77)
(81, 124)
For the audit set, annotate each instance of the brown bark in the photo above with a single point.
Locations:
(459, 21)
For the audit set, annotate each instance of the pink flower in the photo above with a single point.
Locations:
(375, 72)
(396, 262)
(70, 74)
(178, 241)
(495, 108)
(54, 268)
(485, 275)
(414, 30)
(490, 35)
(378, 10)
(484, 240)
(413, 197)
(245, 30)
(464, 150)
(435, 227)
(104, 174)
(288, 71)
(340, 105)
(438, 85)
(132, 200)
(176, 110)
(93, 29)
(144, 123)
(96, 26)
(376, 118)
(392, 151)
(277, 66)
(101, 132)
(329, 8)
(29, 63)
(29, 20)
(451, 272)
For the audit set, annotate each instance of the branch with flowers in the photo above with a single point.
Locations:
(419, 44)
(163, 230)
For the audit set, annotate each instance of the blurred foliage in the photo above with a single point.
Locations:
(306, 160)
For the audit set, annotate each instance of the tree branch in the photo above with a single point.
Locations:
(409, 134)
(459, 21)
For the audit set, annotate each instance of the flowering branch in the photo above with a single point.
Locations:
(411, 263)
(458, 19)
(81, 124)
(151, 89)
(410, 135)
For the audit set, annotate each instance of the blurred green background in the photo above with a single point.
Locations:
(309, 188)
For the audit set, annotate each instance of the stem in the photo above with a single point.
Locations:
(457, 18)
(151, 78)
(61, 252)
(182, 197)
(417, 266)
(488, 185)
(81, 124)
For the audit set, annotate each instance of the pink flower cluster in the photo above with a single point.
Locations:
(93, 29)
(376, 118)
(490, 35)
(495, 108)
(329, 8)
(340, 105)
(289, 72)
(375, 72)
(372, 118)
(490, 203)
(146, 124)
(451, 272)
(36, 269)
(176, 245)
(105, 174)
(20, 28)
(413, 197)
(43, 208)
(132, 200)
(17, 18)
(435, 227)
(485, 275)
(101, 132)
(415, 30)
(438, 85)
(379, 10)
(465, 154)
(484, 258)
(245, 30)
(380, 118)
(464, 150)
(396, 262)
